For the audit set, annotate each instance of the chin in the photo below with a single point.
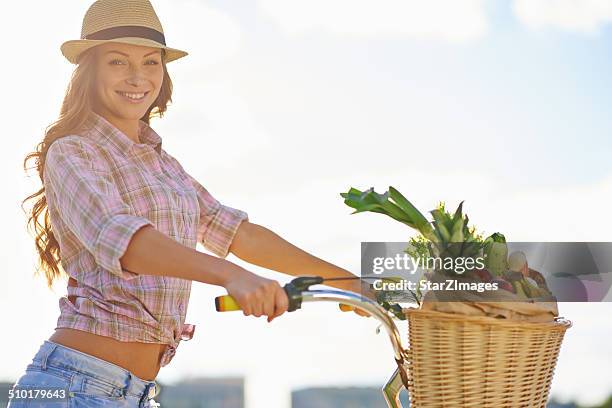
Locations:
(134, 115)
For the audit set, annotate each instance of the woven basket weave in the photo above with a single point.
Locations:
(471, 361)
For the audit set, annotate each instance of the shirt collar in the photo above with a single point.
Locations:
(109, 131)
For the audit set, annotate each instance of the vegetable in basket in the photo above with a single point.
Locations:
(531, 282)
(448, 236)
(496, 254)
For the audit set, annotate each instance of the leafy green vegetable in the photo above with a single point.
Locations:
(392, 204)
(446, 236)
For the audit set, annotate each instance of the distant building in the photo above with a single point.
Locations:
(203, 393)
(346, 397)
(554, 404)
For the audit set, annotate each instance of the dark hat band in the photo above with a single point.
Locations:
(127, 31)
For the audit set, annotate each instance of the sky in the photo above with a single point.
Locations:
(503, 104)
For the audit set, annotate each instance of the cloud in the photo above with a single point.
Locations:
(585, 16)
(447, 20)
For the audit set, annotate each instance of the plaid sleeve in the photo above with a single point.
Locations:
(90, 204)
(218, 223)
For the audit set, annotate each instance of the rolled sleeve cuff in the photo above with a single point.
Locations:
(221, 231)
(113, 241)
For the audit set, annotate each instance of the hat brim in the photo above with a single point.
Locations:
(73, 48)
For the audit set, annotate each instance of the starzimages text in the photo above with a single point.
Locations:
(449, 284)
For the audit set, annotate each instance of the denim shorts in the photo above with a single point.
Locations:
(62, 377)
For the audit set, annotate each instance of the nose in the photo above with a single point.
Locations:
(136, 77)
(136, 83)
(135, 80)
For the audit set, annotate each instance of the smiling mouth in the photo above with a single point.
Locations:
(134, 96)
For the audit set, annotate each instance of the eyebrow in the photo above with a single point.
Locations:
(122, 53)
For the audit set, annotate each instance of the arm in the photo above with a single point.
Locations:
(260, 246)
(154, 253)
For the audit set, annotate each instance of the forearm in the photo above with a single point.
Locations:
(262, 247)
(151, 252)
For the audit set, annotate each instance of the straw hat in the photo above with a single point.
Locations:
(124, 21)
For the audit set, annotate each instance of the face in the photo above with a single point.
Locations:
(129, 79)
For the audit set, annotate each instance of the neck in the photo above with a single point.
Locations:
(128, 126)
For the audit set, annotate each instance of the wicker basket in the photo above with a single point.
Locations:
(471, 361)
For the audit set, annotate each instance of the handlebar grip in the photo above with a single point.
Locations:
(226, 303)
(346, 308)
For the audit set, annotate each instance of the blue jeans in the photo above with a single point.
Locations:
(62, 377)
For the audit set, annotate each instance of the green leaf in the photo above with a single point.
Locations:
(457, 232)
(498, 237)
(419, 220)
(440, 226)
(370, 200)
(407, 207)
(458, 214)
(370, 207)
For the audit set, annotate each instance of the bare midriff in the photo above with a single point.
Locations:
(141, 359)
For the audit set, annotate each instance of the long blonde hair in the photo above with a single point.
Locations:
(76, 107)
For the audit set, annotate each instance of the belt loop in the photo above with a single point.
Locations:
(144, 396)
(127, 387)
(156, 388)
(45, 356)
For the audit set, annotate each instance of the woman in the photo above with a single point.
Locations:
(122, 217)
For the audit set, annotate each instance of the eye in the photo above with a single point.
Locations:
(154, 62)
(114, 61)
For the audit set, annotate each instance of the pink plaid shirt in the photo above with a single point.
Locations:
(101, 187)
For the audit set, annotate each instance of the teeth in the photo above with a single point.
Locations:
(133, 95)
